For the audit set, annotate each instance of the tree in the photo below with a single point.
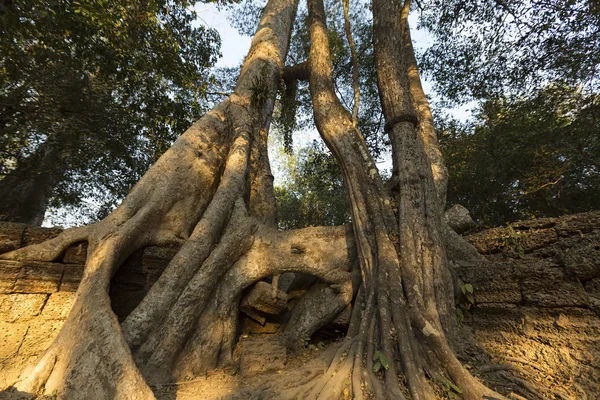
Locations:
(313, 193)
(486, 48)
(211, 193)
(99, 86)
(526, 157)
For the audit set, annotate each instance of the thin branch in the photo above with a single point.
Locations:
(354, 62)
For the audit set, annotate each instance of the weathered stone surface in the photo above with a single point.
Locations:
(76, 254)
(154, 261)
(549, 287)
(578, 224)
(260, 355)
(21, 307)
(37, 234)
(458, 218)
(265, 298)
(39, 336)
(582, 260)
(592, 287)
(39, 277)
(11, 337)
(71, 277)
(493, 282)
(58, 305)
(8, 276)
(11, 236)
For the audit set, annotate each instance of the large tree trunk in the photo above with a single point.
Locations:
(211, 194)
(25, 192)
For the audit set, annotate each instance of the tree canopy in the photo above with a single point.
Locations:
(522, 158)
(107, 85)
(487, 48)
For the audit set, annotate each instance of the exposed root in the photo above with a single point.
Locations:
(52, 249)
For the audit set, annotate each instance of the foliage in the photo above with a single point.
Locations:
(314, 192)
(465, 301)
(483, 48)
(113, 82)
(526, 157)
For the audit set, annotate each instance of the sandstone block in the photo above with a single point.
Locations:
(8, 276)
(260, 355)
(265, 298)
(551, 288)
(39, 277)
(58, 305)
(20, 307)
(39, 337)
(493, 282)
(37, 234)
(11, 337)
(583, 260)
(71, 277)
(76, 254)
(11, 236)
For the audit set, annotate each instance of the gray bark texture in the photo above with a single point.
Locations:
(25, 192)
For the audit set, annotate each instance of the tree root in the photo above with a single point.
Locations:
(52, 249)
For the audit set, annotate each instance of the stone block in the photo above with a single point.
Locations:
(11, 236)
(39, 277)
(37, 234)
(493, 282)
(592, 287)
(578, 224)
(265, 298)
(40, 336)
(11, 337)
(8, 275)
(551, 288)
(458, 218)
(261, 354)
(71, 278)
(155, 260)
(21, 307)
(76, 254)
(583, 260)
(58, 305)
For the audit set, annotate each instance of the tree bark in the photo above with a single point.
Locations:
(26, 190)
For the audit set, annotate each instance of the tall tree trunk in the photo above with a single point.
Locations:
(25, 192)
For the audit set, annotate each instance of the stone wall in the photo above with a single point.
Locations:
(537, 303)
(536, 309)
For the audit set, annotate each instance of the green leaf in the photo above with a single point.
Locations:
(471, 298)
(450, 385)
(468, 287)
(384, 361)
(459, 315)
(377, 366)
(376, 355)
(234, 370)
